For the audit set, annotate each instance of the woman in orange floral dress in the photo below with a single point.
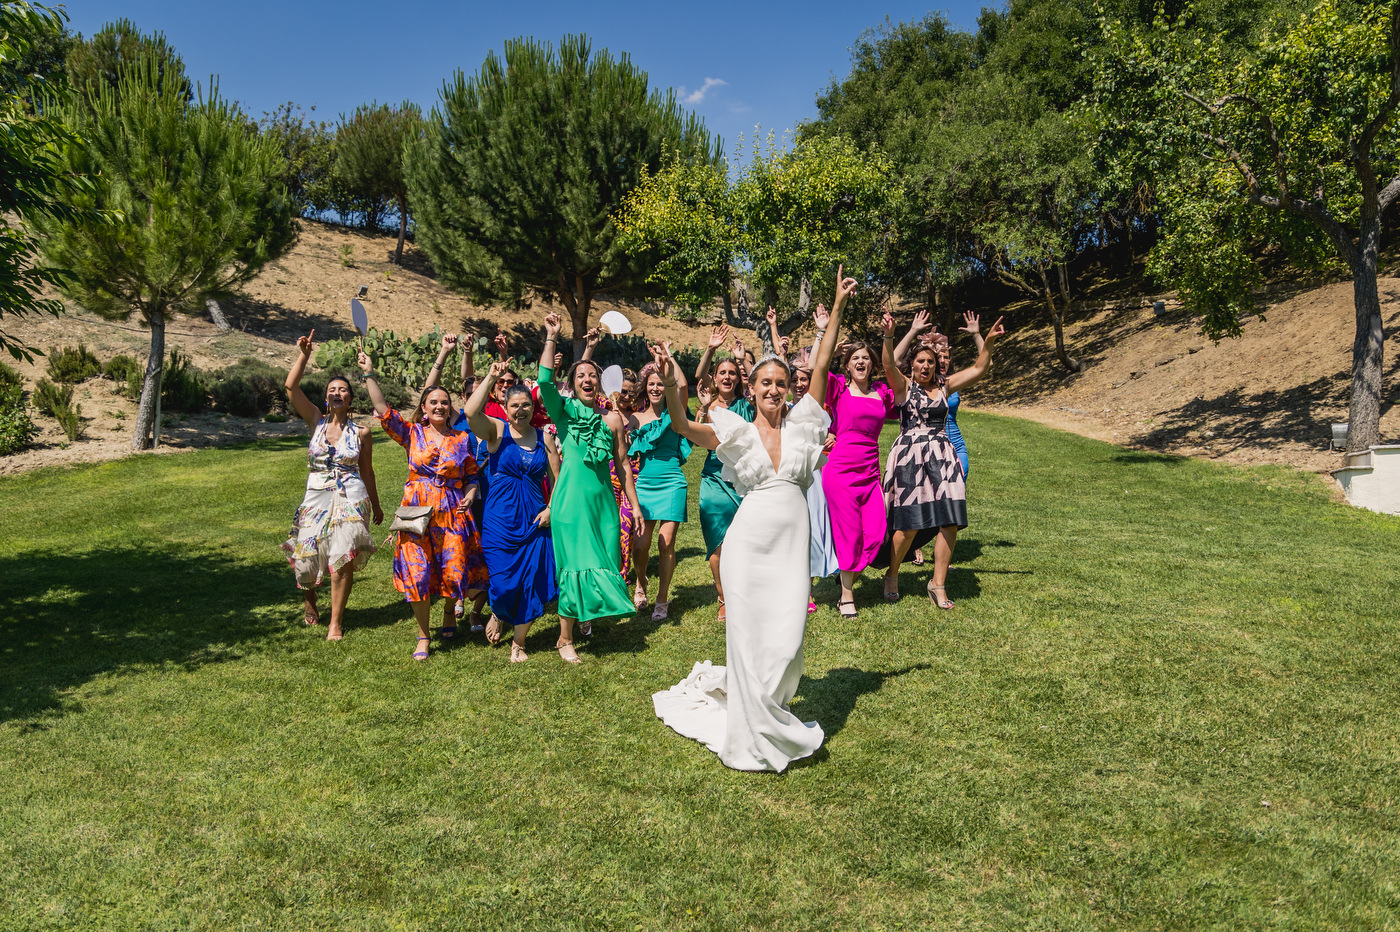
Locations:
(447, 560)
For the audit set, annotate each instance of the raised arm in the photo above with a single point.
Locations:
(376, 395)
(485, 428)
(449, 343)
(961, 380)
(897, 382)
(308, 411)
(823, 320)
(549, 392)
(468, 344)
(973, 324)
(717, 338)
(590, 343)
(845, 287)
(674, 379)
(920, 324)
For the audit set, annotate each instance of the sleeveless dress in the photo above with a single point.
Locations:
(923, 477)
(330, 529)
(739, 710)
(822, 561)
(954, 434)
(519, 554)
(851, 476)
(584, 514)
(661, 485)
(447, 560)
(718, 500)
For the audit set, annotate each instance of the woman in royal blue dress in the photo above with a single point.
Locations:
(515, 531)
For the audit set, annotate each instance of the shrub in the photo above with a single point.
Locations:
(182, 386)
(405, 360)
(70, 418)
(247, 388)
(16, 426)
(395, 394)
(121, 368)
(72, 364)
(9, 377)
(50, 398)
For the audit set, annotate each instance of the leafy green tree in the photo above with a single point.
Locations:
(307, 146)
(199, 195)
(33, 182)
(34, 64)
(1293, 141)
(100, 60)
(370, 155)
(521, 169)
(785, 220)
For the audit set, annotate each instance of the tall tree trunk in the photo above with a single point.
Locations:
(146, 409)
(578, 315)
(403, 228)
(1057, 319)
(1367, 351)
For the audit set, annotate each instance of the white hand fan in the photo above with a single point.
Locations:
(612, 380)
(615, 323)
(360, 318)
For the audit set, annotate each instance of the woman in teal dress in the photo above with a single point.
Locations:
(661, 488)
(718, 500)
(583, 512)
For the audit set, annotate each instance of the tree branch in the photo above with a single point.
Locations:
(1388, 194)
(1362, 147)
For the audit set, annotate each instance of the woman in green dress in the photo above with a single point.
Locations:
(661, 488)
(583, 512)
(718, 500)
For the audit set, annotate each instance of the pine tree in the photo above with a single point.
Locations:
(521, 169)
(369, 155)
(198, 202)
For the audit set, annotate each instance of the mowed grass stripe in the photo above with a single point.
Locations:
(1165, 699)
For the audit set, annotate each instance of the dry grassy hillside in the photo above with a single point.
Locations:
(1150, 382)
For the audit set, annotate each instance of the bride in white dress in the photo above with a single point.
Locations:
(740, 711)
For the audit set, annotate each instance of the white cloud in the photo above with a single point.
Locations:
(697, 95)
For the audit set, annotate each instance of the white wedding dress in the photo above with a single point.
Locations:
(740, 711)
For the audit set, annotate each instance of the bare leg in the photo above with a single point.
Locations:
(420, 615)
(667, 559)
(641, 556)
(714, 570)
(449, 613)
(900, 546)
(341, 581)
(565, 643)
(311, 615)
(517, 643)
(848, 594)
(942, 556)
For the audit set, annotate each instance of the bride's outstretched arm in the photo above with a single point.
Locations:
(845, 287)
(674, 380)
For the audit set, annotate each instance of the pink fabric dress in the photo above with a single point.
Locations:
(851, 476)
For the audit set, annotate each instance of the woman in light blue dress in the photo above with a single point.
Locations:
(662, 491)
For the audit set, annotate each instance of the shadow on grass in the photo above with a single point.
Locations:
(830, 699)
(66, 619)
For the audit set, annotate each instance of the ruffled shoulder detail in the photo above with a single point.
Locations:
(746, 463)
(651, 434)
(589, 432)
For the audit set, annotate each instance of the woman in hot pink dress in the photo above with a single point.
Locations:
(851, 478)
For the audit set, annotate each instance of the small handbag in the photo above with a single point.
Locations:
(412, 519)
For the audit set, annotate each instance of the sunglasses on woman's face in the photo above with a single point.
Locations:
(506, 383)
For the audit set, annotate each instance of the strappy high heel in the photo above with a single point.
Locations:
(421, 654)
(566, 651)
(841, 606)
(943, 601)
(722, 615)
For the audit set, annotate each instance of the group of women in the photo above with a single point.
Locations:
(555, 494)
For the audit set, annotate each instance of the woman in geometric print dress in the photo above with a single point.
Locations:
(924, 484)
(330, 534)
(446, 561)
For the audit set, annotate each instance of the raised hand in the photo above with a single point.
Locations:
(498, 369)
(365, 363)
(449, 342)
(551, 327)
(996, 331)
(738, 347)
(820, 317)
(887, 323)
(703, 393)
(972, 323)
(772, 318)
(304, 344)
(922, 321)
(783, 344)
(558, 360)
(593, 337)
(845, 287)
(502, 345)
(718, 336)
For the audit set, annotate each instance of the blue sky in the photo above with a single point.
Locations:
(738, 64)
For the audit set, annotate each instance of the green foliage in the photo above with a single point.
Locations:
(403, 359)
(347, 255)
(398, 397)
(199, 193)
(72, 363)
(307, 147)
(9, 377)
(33, 182)
(182, 386)
(525, 163)
(247, 388)
(34, 65)
(122, 369)
(16, 426)
(50, 398)
(370, 155)
(100, 62)
(70, 418)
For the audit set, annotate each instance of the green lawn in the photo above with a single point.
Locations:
(1166, 700)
